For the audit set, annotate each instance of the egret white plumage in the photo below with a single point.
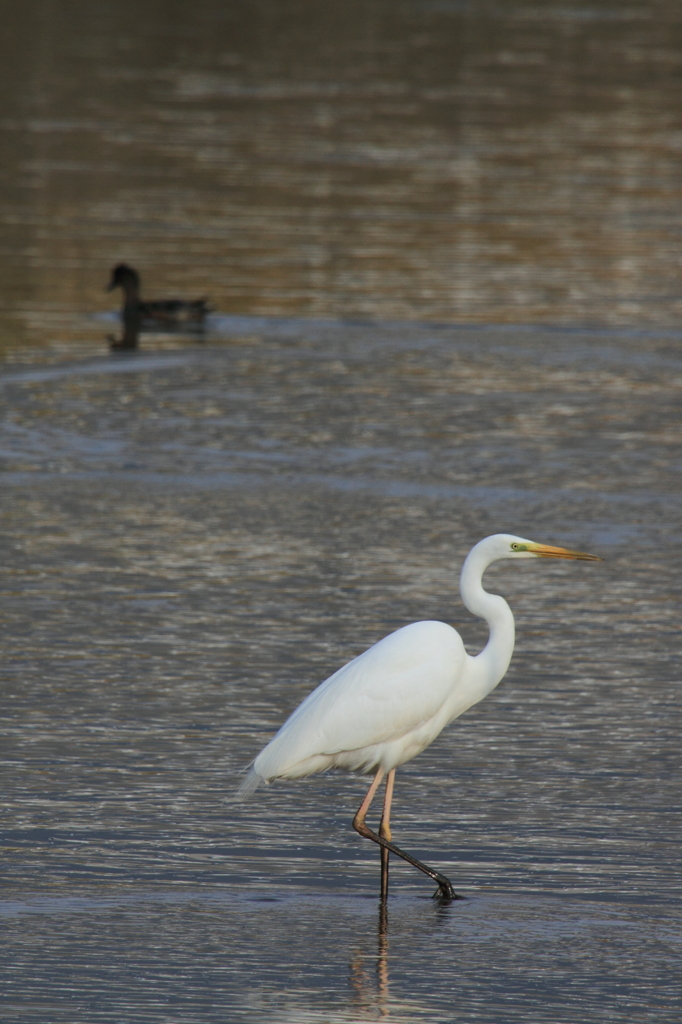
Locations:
(387, 705)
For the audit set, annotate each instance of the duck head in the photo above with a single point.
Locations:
(123, 276)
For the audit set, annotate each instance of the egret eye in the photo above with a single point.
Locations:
(518, 547)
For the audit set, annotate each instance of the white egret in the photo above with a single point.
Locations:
(390, 703)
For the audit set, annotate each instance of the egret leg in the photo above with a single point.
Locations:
(444, 885)
(385, 831)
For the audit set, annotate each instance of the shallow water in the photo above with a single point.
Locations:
(452, 160)
(193, 539)
(493, 958)
(195, 534)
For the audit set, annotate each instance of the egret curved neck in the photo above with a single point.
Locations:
(493, 661)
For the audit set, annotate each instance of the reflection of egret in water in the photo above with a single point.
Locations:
(369, 998)
(373, 998)
(382, 957)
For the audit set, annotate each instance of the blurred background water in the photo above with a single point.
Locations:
(441, 241)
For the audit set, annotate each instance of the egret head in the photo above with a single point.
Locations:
(518, 547)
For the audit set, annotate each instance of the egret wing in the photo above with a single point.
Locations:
(391, 689)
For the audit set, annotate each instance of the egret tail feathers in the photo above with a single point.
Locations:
(249, 785)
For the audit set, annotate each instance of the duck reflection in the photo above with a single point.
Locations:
(140, 315)
(130, 336)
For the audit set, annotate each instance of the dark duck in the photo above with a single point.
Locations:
(155, 315)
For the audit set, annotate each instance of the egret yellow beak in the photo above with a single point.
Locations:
(547, 551)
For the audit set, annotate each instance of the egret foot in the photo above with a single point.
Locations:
(445, 890)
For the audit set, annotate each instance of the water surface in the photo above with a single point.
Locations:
(451, 161)
(442, 245)
(193, 539)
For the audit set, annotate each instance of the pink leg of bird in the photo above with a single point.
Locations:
(385, 831)
(445, 889)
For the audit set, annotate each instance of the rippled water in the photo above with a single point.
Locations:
(195, 534)
(424, 159)
(193, 539)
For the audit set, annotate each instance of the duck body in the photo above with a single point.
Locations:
(159, 314)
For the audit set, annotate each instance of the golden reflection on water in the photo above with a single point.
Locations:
(447, 161)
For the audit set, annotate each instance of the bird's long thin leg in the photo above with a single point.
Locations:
(385, 831)
(444, 885)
